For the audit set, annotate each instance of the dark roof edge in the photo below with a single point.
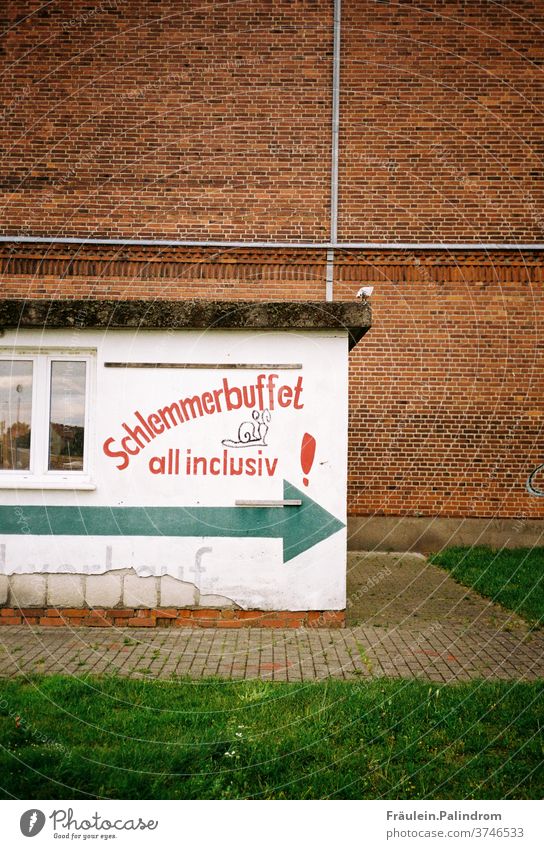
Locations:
(353, 316)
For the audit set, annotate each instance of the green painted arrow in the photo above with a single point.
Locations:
(300, 528)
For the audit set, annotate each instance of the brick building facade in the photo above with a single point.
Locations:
(174, 123)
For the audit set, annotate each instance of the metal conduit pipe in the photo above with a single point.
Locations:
(332, 246)
(335, 132)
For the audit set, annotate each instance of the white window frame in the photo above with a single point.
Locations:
(39, 476)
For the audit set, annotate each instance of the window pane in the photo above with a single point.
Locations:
(15, 413)
(67, 416)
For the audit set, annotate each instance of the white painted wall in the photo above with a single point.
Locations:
(250, 572)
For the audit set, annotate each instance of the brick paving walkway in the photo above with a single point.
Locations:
(437, 652)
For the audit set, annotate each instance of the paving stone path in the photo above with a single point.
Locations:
(405, 590)
(437, 653)
(411, 621)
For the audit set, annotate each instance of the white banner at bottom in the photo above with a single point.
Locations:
(241, 824)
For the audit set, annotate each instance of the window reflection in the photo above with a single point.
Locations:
(15, 413)
(67, 416)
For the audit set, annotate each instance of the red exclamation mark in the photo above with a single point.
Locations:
(307, 454)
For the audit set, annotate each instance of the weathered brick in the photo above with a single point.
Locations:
(120, 614)
(71, 612)
(250, 614)
(97, 622)
(231, 623)
(228, 613)
(205, 613)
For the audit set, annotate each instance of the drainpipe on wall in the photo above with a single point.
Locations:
(329, 285)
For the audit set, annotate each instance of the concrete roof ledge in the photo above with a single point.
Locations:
(353, 316)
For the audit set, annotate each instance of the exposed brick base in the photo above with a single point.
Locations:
(173, 617)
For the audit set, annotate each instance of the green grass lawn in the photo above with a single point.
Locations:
(121, 738)
(512, 577)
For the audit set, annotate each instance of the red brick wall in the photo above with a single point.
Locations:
(186, 120)
(193, 120)
(442, 123)
(447, 389)
(170, 617)
(79, 271)
(177, 118)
